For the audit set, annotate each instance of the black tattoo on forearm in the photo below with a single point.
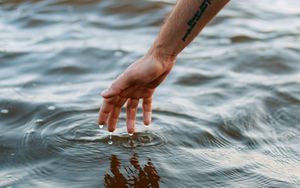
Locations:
(192, 22)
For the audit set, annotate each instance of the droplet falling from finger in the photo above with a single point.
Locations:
(110, 141)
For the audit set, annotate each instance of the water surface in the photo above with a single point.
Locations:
(227, 116)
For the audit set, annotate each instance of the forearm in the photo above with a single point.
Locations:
(185, 22)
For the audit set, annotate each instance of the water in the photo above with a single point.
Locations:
(227, 116)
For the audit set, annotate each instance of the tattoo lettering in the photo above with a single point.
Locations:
(192, 22)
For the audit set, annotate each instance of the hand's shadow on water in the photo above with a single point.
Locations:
(133, 175)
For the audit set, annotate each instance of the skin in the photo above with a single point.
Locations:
(141, 78)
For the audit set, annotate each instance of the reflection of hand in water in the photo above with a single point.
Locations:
(136, 176)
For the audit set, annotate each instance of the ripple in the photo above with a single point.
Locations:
(143, 139)
(64, 128)
(195, 79)
(227, 116)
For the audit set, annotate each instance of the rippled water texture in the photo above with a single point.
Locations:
(227, 116)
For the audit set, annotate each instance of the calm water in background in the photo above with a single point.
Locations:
(227, 116)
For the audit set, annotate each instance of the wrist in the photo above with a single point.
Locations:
(162, 55)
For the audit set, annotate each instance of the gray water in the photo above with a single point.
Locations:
(228, 115)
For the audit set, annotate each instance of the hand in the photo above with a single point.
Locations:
(138, 81)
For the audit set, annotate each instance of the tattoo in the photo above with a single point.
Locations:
(192, 22)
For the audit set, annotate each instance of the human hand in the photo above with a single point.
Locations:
(138, 81)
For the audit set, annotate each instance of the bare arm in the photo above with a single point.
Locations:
(141, 78)
(185, 22)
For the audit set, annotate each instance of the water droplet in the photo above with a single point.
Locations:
(110, 142)
(51, 107)
(29, 131)
(4, 111)
(147, 128)
(100, 126)
(39, 121)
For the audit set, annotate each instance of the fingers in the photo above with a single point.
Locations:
(131, 109)
(147, 110)
(110, 110)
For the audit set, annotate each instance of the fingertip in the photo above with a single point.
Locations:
(130, 132)
(102, 118)
(112, 124)
(147, 118)
(110, 129)
(131, 126)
